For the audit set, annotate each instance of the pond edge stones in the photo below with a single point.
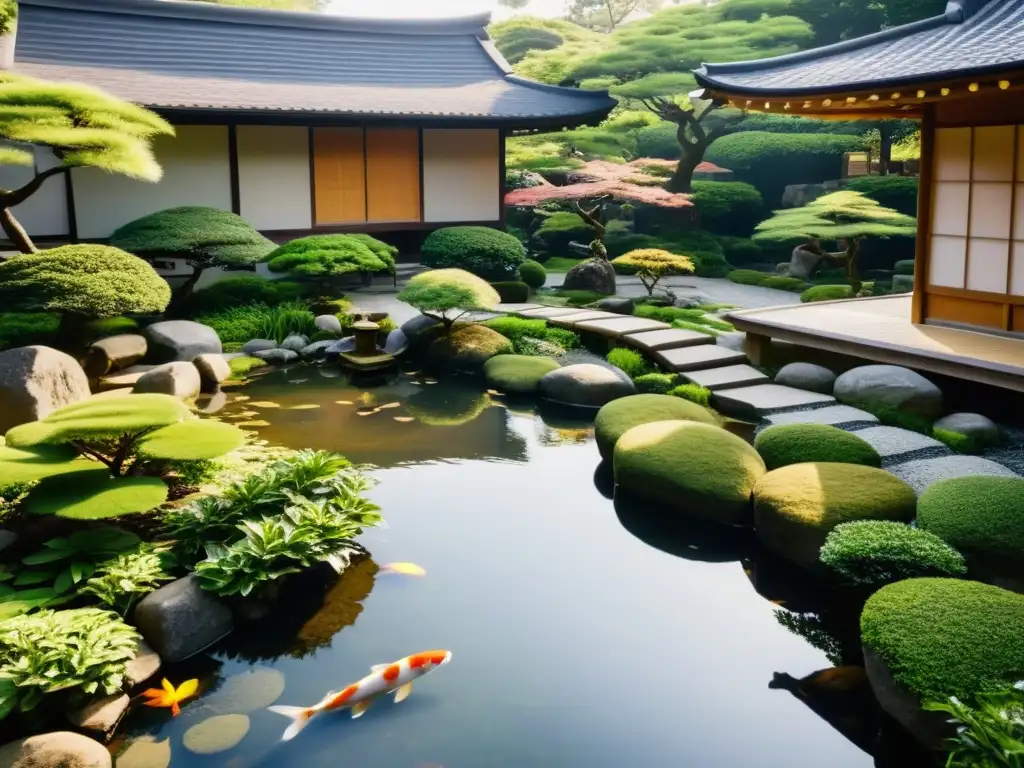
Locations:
(586, 385)
(180, 619)
(889, 386)
(55, 750)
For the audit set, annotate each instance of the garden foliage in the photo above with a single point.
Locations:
(323, 259)
(447, 294)
(239, 291)
(533, 274)
(629, 361)
(652, 264)
(259, 321)
(485, 252)
(989, 732)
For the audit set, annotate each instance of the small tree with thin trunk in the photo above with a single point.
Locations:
(652, 264)
(448, 294)
(82, 126)
(845, 217)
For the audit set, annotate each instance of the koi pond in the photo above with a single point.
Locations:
(583, 632)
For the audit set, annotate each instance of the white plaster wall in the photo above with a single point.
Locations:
(273, 176)
(46, 212)
(460, 175)
(196, 169)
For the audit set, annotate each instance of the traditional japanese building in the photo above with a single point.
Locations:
(298, 122)
(962, 75)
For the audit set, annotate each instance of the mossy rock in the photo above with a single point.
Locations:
(468, 348)
(517, 374)
(983, 517)
(619, 416)
(691, 468)
(796, 507)
(786, 444)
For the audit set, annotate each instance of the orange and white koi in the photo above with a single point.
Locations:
(383, 679)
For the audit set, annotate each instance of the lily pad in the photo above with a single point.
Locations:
(240, 398)
(255, 423)
(264, 404)
(254, 689)
(303, 407)
(344, 402)
(217, 734)
(190, 440)
(94, 494)
(404, 419)
(144, 752)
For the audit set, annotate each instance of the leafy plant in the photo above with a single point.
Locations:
(258, 321)
(694, 393)
(656, 383)
(323, 259)
(694, 318)
(242, 291)
(448, 294)
(488, 253)
(69, 560)
(989, 734)
(652, 264)
(629, 361)
(121, 581)
(78, 653)
(23, 329)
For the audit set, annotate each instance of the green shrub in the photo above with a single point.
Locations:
(826, 293)
(770, 161)
(695, 393)
(560, 229)
(958, 441)
(511, 291)
(110, 326)
(619, 416)
(651, 264)
(659, 141)
(560, 264)
(533, 274)
(983, 517)
(904, 267)
(786, 444)
(988, 733)
(324, 260)
(748, 276)
(655, 383)
(739, 250)
(122, 581)
(728, 207)
(68, 561)
(946, 637)
(488, 253)
(701, 247)
(706, 322)
(579, 298)
(258, 321)
(83, 281)
(523, 334)
(629, 361)
(879, 552)
(896, 192)
(239, 291)
(785, 283)
(445, 294)
(243, 366)
(23, 329)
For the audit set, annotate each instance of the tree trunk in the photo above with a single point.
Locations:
(183, 292)
(693, 155)
(884, 151)
(17, 234)
(852, 272)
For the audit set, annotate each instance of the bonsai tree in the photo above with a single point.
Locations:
(845, 217)
(107, 456)
(81, 282)
(81, 126)
(652, 264)
(448, 294)
(323, 259)
(203, 237)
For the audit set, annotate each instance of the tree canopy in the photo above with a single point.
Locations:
(446, 294)
(324, 258)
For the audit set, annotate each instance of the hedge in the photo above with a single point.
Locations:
(488, 253)
(560, 229)
(826, 293)
(659, 141)
(897, 192)
(533, 274)
(728, 207)
(739, 250)
(236, 291)
(512, 291)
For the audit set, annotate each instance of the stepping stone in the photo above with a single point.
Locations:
(548, 312)
(512, 308)
(670, 338)
(727, 377)
(621, 325)
(834, 415)
(697, 357)
(894, 441)
(569, 321)
(761, 399)
(921, 473)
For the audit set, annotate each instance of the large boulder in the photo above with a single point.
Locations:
(889, 387)
(517, 374)
(796, 507)
(585, 384)
(596, 275)
(619, 416)
(178, 379)
(253, 346)
(276, 356)
(690, 468)
(813, 378)
(421, 330)
(60, 749)
(803, 263)
(295, 343)
(617, 304)
(980, 431)
(213, 369)
(467, 348)
(35, 381)
(329, 323)
(786, 444)
(114, 353)
(396, 343)
(172, 340)
(181, 619)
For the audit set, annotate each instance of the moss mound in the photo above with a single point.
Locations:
(469, 347)
(946, 637)
(619, 416)
(517, 374)
(693, 468)
(983, 517)
(787, 444)
(796, 507)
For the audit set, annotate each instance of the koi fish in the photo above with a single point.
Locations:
(169, 696)
(383, 679)
(405, 569)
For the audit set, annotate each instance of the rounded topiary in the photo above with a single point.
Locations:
(512, 291)
(533, 274)
(446, 294)
(87, 281)
(468, 348)
(877, 552)
(981, 516)
(946, 637)
(517, 374)
(324, 259)
(696, 469)
(796, 507)
(489, 253)
(786, 444)
(619, 416)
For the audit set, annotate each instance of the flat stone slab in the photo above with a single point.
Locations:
(698, 357)
(618, 326)
(726, 378)
(921, 473)
(894, 441)
(549, 312)
(511, 308)
(570, 321)
(669, 338)
(761, 399)
(832, 415)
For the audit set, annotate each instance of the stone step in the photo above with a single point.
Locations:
(920, 473)
(670, 338)
(545, 313)
(579, 316)
(511, 309)
(761, 399)
(835, 415)
(726, 377)
(893, 442)
(697, 357)
(621, 325)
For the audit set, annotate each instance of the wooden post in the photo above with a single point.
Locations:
(919, 302)
(757, 348)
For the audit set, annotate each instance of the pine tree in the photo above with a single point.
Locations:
(82, 126)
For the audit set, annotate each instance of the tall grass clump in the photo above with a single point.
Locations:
(258, 321)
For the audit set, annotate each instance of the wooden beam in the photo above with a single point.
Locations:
(925, 194)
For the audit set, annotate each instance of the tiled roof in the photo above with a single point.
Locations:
(973, 37)
(193, 56)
